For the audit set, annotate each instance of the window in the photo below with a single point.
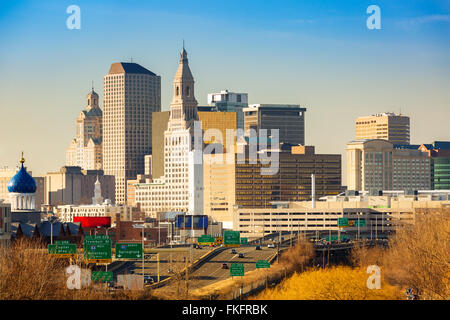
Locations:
(178, 91)
(188, 91)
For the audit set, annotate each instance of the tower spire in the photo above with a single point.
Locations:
(22, 160)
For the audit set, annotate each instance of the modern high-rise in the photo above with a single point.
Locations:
(378, 164)
(85, 150)
(181, 187)
(288, 119)
(226, 101)
(132, 93)
(387, 126)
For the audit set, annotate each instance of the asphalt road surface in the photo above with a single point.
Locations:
(211, 271)
(174, 261)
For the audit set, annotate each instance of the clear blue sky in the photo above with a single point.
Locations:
(319, 54)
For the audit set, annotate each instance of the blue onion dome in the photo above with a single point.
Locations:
(22, 182)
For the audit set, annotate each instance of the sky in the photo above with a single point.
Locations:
(319, 54)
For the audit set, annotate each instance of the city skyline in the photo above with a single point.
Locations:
(329, 63)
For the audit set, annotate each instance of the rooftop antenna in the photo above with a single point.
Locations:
(92, 85)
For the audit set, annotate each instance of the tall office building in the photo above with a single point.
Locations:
(132, 93)
(288, 119)
(181, 186)
(380, 165)
(226, 101)
(85, 150)
(387, 126)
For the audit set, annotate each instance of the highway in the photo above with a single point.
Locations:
(174, 261)
(211, 271)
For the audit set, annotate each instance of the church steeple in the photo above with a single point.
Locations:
(183, 108)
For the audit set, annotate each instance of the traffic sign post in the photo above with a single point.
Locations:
(97, 249)
(262, 264)
(232, 238)
(129, 250)
(237, 270)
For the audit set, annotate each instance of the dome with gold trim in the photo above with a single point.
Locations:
(22, 181)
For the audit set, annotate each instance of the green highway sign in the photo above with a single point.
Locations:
(62, 250)
(335, 238)
(343, 222)
(102, 276)
(231, 238)
(360, 223)
(97, 249)
(62, 242)
(244, 240)
(262, 264)
(237, 270)
(129, 250)
(205, 240)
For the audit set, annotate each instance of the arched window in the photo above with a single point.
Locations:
(187, 91)
(178, 91)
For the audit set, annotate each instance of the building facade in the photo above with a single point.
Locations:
(5, 223)
(369, 217)
(132, 94)
(85, 150)
(378, 165)
(219, 189)
(160, 122)
(288, 119)
(74, 186)
(292, 181)
(215, 125)
(387, 126)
